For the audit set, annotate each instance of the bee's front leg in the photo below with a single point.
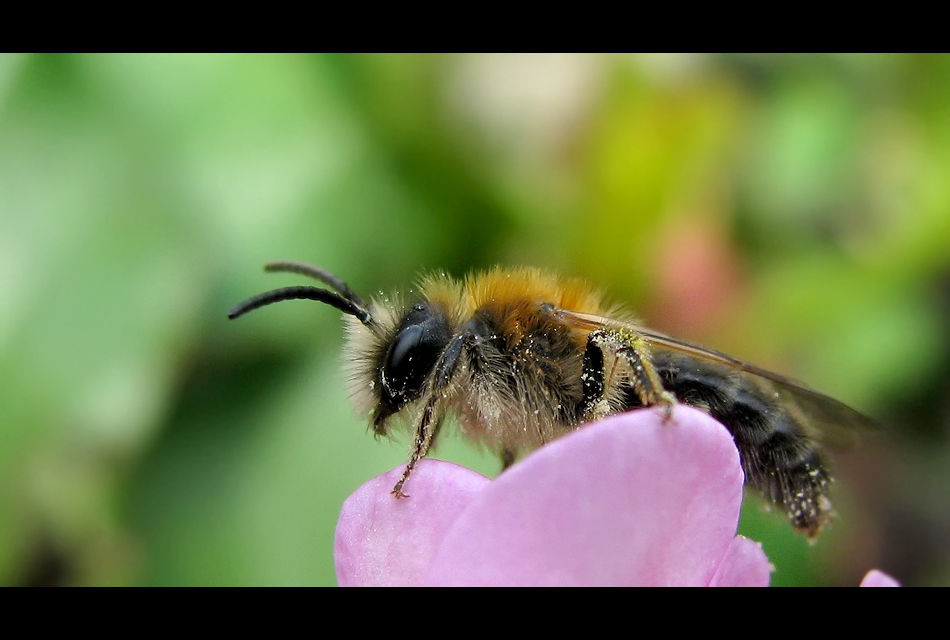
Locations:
(425, 434)
(433, 410)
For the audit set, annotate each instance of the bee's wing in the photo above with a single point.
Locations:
(829, 421)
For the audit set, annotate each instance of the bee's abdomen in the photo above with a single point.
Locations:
(778, 457)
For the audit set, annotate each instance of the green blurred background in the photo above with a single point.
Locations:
(791, 210)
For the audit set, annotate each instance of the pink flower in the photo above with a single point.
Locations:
(876, 578)
(630, 500)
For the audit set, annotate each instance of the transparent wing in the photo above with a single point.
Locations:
(829, 421)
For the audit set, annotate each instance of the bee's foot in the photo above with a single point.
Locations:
(667, 402)
(397, 492)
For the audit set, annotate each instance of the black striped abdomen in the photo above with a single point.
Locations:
(778, 457)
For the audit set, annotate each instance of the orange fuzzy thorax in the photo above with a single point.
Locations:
(510, 288)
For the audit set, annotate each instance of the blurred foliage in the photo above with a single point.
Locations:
(791, 210)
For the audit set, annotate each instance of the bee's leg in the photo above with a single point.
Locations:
(507, 458)
(431, 419)
(425, 434)
(632, 348)
(593, 405)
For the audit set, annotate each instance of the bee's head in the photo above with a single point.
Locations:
(390, 356)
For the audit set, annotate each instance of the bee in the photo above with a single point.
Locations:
(522, 357)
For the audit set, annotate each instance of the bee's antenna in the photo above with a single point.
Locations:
(316, 273)
(303, 293)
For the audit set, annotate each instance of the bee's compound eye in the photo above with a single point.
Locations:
(411, 356)
(399, 359)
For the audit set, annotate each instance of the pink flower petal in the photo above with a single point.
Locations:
(876, 578)
(381, 541)
(744, 565)
(631, 500)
